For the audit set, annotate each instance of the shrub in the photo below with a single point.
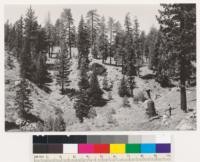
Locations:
(139, 96)
(82, 106)
(125, 102)
(94, 91)
(163, 80)
(54, 124)
(98, 69)
(123, 88)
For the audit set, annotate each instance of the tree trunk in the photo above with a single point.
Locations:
(49, 51)
(182, 71)
(132, 92)
(122, 64)
(110, 43)
(70, 50)
(183, 92)
(92, 33)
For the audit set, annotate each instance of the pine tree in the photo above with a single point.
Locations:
(102, 40)
(56, 33)
(83, 82)
(67, 21)
(150, 43)
(160, 63)
(178, 25)
(119, 45)
(30, 31)
(10, 39)
(19, 36)
(94, 91)
(110, 29)
(142, 45)
(7, 28)
(130, 56)
(22, 101)
(63, 68)
(49, 32)
(93, 20)
(138, 53)
(83, 43)
(82, 106)
(105, 83)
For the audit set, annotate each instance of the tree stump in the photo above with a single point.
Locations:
(150, 110)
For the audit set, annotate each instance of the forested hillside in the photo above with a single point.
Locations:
(101, 74)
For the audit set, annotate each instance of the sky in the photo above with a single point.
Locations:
(144, 13)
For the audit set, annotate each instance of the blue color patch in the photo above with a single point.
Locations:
(148, 148)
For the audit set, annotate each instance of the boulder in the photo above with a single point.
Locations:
(98, 68)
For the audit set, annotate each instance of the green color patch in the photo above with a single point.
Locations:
(133, 148)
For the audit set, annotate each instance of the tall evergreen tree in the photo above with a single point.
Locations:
(19, 36)
(56, 32)
(138, 53)
(93, 20)
(7, 28)
(110, 29)
(82, 106)
(130, 57)
(63, 68)
(150, 45)
(83, 43)
(94, 91)
(118, 43)
(67, 20)
(49, 31)
(22, 101)
(142, 45)
(30, 32)
(123, 88)
(102, 40)
(40, 74)
(178, 25)
(120, 51)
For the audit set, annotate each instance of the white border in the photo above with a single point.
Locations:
(17, 146)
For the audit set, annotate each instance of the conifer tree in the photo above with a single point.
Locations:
(142, 45)
(63, 68)
(19, 36)
(105, 83)
(7, 28)
(119, 46)
(67, 21)
(49, 32)
(83, 43)
(130, 56)
(93, 20)
(123, 88)
(94, 91)
(22, 101)
(82, 106)
(30, 31)
(178, 25)
(83, 82)
(138, 54)
(103, 41)
(150, 45)
(110, 29)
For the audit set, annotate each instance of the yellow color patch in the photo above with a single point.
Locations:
(117, 148)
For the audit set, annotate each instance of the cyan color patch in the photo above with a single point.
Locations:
(148, 148)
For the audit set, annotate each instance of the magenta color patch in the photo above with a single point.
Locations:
(85, 148)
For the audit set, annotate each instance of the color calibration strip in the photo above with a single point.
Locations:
(101, 144)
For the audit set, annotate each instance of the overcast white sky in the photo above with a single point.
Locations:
(144, 13)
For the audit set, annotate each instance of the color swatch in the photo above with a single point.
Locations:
(101, 145)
